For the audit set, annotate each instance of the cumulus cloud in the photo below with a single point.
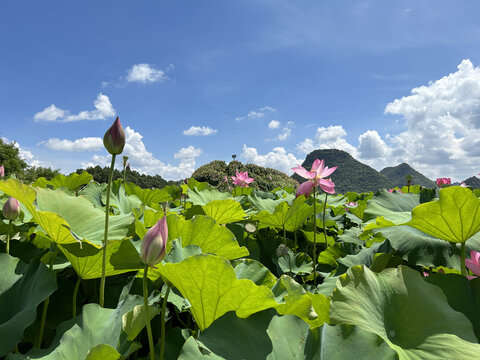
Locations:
(143, 161)
(83, 144)
(372, 146)
(285, 133)
(145, 73)
(199, 130)
(332, 137)
(103, 110)
(278, 158)
(27, 155)
(274, 124)
(443, 125)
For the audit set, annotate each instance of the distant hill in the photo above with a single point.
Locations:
(473, 182)
(351, 174)
(396, 175)
(265, 178)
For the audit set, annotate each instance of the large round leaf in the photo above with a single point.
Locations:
(224, 211)
(22, 288)
(410, 315)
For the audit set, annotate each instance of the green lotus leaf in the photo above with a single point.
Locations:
(84, 220)
(148, 196)
(224, 211)
(204, 232)
(264, 204)
(86, 259)
(22, 288)
(410, 315)
(79, 338)
(103, 352)
(455, 217)
(268, 336)
(209, 284)
(292, 218)
(72, 182)
(94, 192)
(299, 263)
(134, 321)
(394, 207)
(253, 270)
(120, 200)
(203, 197)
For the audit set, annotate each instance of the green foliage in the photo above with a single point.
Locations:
(397, 175)
(11, 160)
(265, 178)
(100, 175)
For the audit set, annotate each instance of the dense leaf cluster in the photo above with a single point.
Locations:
(266, 179)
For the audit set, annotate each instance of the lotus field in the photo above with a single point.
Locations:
(114, 271)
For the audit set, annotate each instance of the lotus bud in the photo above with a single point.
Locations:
(152, 250)
(114, 138)
(2, 171)
(11, 209)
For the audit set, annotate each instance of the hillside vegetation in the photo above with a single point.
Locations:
(396, 174)
(265, 178)
(351, 175)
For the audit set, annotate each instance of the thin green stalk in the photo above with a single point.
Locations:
(74, 300)
(295, 237)
(7, 246)
(164, 307)
(147, 317)
(105, 237)
(324, 227)
(284, 236)
(38, 342)
(314, 238)
(462, 259)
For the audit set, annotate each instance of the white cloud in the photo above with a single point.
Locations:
(267, 108)
(103, 110)
(199, 130)
(443, 125)
(145, 73)
(256, 114)
(27, 155)
(285, 133)
(145, 162)
(274, 124)
(332, 137)
(83, 144)
(278, 158)
(372, 146)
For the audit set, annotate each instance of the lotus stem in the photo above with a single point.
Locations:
(74, 300)
(164, 307)
(462, 259)
(284, 236)
(105, 237)
(314, 238)
(147, 317)
(7, 245)
(38, 342)
(324, 227)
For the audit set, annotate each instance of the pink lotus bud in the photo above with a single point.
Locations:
(152, 250)
(11, 209)
(2, 171)
(114, 138)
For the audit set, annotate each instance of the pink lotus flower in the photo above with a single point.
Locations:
(441, 182)
(473, 263)
(350, 205)
(395, 190)
(2, 171)
(462, 184)
(152, 249)
(242, 179)
(316, 177)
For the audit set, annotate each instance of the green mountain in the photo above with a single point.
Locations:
(351, 174)
(473, 182)
(265, 178)
(396, 174)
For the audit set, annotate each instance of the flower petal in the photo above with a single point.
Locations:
(300, 170)
(326, 185)
(318, 164)
(328, 171)
(305, 188)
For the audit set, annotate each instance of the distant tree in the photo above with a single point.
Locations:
(10, 159)
(34, 172)
(100, 175)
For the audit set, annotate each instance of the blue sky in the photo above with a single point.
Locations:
(269, 81)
